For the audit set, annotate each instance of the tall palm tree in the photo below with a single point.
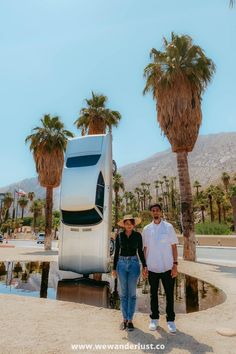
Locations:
(36, 209)
(144, 192)
(23, 202)
(118, 185)
(226, 206)
(201, 203)
(197, 185)
(156, 186)
(225, 177)
(232, 193)
(126, 198)
(96, 118)
(7, 202)
(31, 196)
(138, 192)
(210, 194)
(219, 198)
(48, 143)
(177, 78)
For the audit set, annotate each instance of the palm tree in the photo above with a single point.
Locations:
(225, 179)
(233, 203)
(177, 78)
(118, 185)
(144, 192)
(36, 209)
(219, 198)
(138, 192)
(126, 198)
(201, 203)
(197, 185)
(96, 118)
(31, 196)
(226, 206)
(162, 192)
(156, 183)
(48, 144)
(210, 193)
(23, 202)
(7, 202)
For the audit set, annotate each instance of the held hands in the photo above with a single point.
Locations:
(145, 273)
(114, 273)
(174, 271)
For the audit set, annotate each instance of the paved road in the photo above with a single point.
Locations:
(207, 254)
(30, 243)
(214, 255)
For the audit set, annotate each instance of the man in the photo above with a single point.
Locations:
(160, 250)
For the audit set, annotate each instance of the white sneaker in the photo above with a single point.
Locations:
(153, 325)
(171, 327)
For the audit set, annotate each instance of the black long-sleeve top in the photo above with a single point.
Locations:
(129, 247)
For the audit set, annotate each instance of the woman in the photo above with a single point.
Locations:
(126, 266)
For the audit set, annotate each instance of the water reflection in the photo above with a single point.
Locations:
(87, 291)
(44, 279)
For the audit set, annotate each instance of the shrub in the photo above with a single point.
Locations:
(210, 228)
(27, 221)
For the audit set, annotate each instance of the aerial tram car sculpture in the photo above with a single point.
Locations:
(86, 205)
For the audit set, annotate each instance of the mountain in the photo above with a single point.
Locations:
(32, 185)
(212, 155)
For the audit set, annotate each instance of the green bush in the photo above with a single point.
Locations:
(212, 228)
(27, 221)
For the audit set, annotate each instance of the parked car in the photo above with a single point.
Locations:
(1, 238)
(41, 237)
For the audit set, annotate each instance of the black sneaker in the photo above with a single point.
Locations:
(130, 326)
(123, 325)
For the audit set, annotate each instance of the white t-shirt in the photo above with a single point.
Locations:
(158, 238)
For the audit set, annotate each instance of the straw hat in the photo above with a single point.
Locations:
(129, 217)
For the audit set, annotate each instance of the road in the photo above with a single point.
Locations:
(214, 255)
(30, 243)
(207, 254)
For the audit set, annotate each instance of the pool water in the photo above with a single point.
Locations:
(45, 280)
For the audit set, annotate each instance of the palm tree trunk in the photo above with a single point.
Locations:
(22, 213)
(34, 222)
(203, 215)
(211, 208)
(186, 207)
(224, 215)
(48, 219)
(219, 212)
(233, 202)
(44, 280)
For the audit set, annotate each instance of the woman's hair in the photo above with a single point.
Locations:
(131, 220)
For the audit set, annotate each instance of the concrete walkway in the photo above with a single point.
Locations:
(31, 325)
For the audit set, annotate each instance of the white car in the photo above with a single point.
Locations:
(86, 204)
(41, 237)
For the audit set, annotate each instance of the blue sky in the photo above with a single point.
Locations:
(55, 52)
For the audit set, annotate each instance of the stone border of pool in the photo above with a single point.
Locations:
(32, 325)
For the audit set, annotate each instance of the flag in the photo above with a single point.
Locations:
(20, 192)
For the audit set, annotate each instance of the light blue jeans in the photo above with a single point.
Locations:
(128, 270)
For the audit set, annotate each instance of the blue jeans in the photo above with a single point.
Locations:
(128, 270)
